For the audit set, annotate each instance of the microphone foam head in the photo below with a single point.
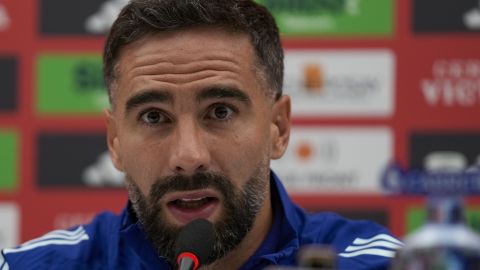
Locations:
(196, 237)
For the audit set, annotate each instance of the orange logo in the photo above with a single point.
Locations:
(313, 77)
(304, 151)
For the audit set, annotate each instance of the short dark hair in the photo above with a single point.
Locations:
(140, 18)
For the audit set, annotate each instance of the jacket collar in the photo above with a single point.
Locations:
(282, 241)
(135, 239)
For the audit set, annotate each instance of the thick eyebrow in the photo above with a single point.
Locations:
(147, 97)
(220, 92)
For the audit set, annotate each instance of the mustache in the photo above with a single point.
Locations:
(201, 180)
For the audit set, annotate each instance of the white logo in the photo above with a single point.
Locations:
(449, 161)
(379, 245)
(472, 18)
(455, 83)
(9, 225)
(358, 83)
(4, 19)
(103, 173)
(101, 21)
(336, 159)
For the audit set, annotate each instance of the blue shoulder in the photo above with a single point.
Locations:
(82, 247)
(359, 244)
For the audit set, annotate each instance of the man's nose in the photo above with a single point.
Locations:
(189, 152)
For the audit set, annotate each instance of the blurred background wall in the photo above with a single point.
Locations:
(372, 82)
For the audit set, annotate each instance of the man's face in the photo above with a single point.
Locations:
(194, 130)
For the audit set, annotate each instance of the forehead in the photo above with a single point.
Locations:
(180, 57)
(189, 45)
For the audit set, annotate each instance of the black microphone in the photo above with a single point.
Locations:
(194, 244)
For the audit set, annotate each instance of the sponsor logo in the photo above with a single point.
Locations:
(454, 83)
(89, 166)
(10, 225)
(103, 173)
(4, 18)
(358, 83)
(379, 245)
(337, 17)
(325, 160)
(446, 16)
(8, 77)
(71, 84)
(448, 152)
(449, 161)
(9, 158)
(440, 164)
(101, 21)
(416, 217)
(440, 181)
(472, 18)
(59, 17)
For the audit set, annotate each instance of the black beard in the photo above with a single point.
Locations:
(239, 211)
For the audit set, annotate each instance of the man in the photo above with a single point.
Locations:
(197, 114)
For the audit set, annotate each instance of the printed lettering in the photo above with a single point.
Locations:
(449, 92)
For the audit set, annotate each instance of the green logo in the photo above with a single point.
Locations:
(71, 84)
(8, 159)
(332, 17)
(416, 217)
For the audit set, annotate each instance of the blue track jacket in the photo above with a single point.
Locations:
(118, 242)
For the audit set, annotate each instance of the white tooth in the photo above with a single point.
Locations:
(192, 200)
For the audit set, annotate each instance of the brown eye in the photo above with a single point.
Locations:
(153, 117)
(221, 113)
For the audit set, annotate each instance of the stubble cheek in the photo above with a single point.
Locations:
(140, 167)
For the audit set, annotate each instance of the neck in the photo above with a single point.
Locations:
(252, 241)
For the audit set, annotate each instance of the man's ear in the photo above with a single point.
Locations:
(280, 128)
(112, 140)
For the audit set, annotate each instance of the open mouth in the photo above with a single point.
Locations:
(192, 204)
(188, 207)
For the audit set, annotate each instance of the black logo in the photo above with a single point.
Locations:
(73, 160)
(86, 17)
(446, 16)
(8, 81)
(452, 152)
